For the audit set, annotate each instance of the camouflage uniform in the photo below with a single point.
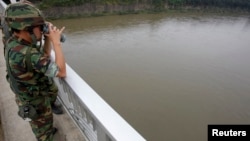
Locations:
(33, 86)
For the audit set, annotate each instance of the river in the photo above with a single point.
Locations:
(168, 75)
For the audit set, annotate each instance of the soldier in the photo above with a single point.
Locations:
(30, 69)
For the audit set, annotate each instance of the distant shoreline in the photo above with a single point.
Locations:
(102, 10)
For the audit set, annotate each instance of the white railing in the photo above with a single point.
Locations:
(3, 5)
(95, 118)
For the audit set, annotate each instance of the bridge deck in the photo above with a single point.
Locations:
(15, 129)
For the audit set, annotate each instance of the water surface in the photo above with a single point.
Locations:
(168, 75)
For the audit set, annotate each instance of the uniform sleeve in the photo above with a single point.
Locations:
(52, 70)
(43, 64)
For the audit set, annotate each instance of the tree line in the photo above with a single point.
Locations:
(245, 4)
(241, 4)
(160, 4)
(156, 4)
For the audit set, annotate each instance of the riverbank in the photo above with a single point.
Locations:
(92, 10)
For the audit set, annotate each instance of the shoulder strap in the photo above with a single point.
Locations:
(28, 59)
(28, 52)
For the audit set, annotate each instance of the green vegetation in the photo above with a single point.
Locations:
(156, 4)
(83, 8)
(80, 2)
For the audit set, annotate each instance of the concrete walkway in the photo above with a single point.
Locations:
(16, 129)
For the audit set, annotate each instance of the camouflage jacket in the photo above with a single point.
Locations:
(29, 83)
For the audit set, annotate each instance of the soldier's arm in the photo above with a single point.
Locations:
(54, 36)
(43, 64)
(59, 59)
(47, 46)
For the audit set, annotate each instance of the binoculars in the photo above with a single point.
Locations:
(45, 30)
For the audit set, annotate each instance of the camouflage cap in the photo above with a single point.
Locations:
(21, 15)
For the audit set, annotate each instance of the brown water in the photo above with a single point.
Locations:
(168, 75)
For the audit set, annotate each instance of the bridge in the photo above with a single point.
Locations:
(87, 117)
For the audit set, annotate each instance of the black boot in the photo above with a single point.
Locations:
(56, 109)
(54, 130)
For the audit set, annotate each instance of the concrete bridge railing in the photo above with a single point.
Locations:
(94, 117)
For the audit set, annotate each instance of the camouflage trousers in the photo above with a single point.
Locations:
(42, 126)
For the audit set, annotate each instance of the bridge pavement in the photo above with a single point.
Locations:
(16, 129)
